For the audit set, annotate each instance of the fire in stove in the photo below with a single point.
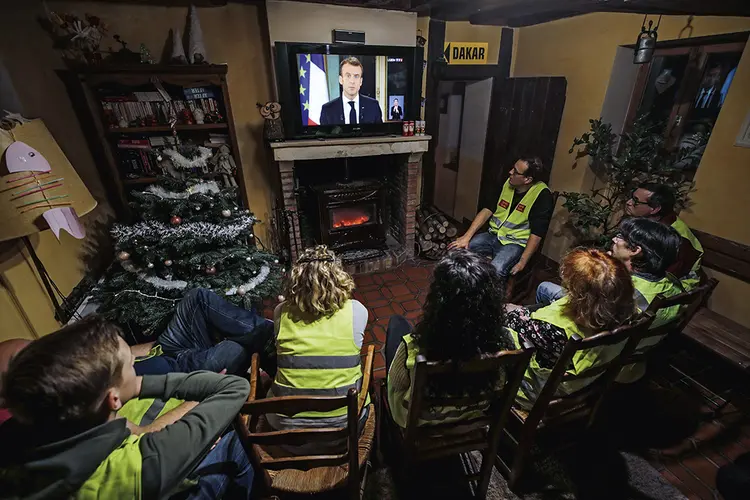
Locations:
(348, 217)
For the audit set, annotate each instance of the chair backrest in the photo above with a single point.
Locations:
(689, 303)
(497, 399)
(585, 402)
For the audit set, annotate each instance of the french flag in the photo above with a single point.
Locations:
(313, 87)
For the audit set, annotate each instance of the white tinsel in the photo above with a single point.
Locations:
(162, 283)
(153, 231)
(260, 278)
(184, 163)
(209, 187)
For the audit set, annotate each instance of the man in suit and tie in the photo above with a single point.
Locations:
(351, 108)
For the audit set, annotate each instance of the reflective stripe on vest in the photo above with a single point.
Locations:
(692, 279)
(317, 358)
(513, 227)
(536, 376)
(441, 414)
(118, 477)
(145, 411)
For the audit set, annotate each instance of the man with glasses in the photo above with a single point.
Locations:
(351, 108)
(656, 201)
(519, 222)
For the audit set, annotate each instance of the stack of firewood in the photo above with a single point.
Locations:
(434, 232)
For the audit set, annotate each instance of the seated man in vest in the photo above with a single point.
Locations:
(65, 439)
(519, 222)
(657, 201)
(207, 333)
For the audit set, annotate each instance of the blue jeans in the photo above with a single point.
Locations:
(504, 257)
(209, 333)
(548, 292)
(224, 473)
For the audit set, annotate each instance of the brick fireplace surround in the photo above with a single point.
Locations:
(409, 151)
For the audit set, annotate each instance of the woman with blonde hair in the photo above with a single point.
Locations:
(599, 298)
(319, 334)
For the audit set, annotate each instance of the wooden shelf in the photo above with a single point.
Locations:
(167, 128)
(155, 69)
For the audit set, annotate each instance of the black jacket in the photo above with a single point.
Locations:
(332, 112)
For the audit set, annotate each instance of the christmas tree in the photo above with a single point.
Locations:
(189, 234)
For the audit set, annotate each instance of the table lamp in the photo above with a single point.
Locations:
(39, 190)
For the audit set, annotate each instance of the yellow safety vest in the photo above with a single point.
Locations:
(437, 414)
(692, 279)
(317, 358)
(645, 292)
(513, 227)
(145, 411)
(536, 376)
(118, 477)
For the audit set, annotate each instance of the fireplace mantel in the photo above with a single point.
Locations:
(350, 147)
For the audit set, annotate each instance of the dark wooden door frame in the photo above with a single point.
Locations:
(438, 71)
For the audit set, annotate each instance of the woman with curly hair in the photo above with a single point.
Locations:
(599, 298)
(319, 334)
(463, 318)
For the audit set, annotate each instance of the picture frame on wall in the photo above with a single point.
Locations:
(743, 138)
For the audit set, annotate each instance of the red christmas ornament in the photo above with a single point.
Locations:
(176, 220)
(210, 270)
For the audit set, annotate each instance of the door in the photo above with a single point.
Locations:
(524, 120)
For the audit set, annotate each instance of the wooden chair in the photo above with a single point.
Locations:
(642, 346)
(427, 442)
(284, 472)
(520, 285)
(552, 412)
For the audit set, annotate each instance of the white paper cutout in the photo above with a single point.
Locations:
(67, 219)
(21, 157)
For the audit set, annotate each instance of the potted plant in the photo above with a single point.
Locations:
(621, 164)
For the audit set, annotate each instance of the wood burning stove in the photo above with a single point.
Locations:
(352, 214)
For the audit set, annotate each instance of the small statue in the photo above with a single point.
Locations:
(273, 129)
(199, 115)
(224, 165)
(178, 51)
(196, 47)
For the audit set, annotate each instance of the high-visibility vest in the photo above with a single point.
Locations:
(536, 376)
(145, 411)
(692, 279)
(439, 414)
(645, 292)
(118, 477)
(317, 358)
(513, 227)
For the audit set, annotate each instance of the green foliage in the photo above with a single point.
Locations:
(138, 292)
(640, 157)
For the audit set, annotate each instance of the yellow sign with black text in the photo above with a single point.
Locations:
(466, 52)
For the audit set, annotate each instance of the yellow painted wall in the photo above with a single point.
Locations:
(233, 35)
(582, 49)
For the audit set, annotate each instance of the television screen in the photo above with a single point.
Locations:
(352, 89)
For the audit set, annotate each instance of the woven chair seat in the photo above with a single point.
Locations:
(318, 479)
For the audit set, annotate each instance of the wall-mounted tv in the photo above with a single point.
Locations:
(329, 90)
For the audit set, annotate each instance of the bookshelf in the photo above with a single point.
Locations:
(128, 156)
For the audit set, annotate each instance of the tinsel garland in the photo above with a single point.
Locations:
(158, 231)
(203, 188)
(250, 285)
(180, 161)
(164, 284)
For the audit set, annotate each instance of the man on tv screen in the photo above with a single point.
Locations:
(352, 107)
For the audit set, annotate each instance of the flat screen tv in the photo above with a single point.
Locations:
(330, 90)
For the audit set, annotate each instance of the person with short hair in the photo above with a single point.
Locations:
(319, 335)
(518, 222)
(65, 439)
(463, 318)
(599, 298)
(351, 107)
(657, 202)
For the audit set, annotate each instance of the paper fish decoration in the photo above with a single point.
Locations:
(21, 157)
(64, 218)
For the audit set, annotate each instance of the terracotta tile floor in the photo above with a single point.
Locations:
(699, 452)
